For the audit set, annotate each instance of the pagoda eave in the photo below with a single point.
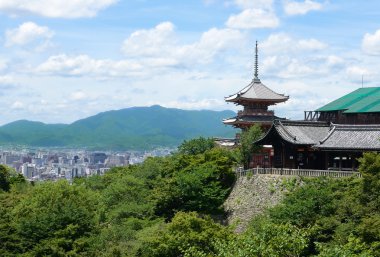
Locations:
(241, 100)
(239, 123)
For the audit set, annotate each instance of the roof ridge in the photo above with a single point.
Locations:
(329, 134)
(286, 131)
(253, 82)
(305, 123)
(357, 125)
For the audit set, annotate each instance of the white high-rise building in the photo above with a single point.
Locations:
(28, 170)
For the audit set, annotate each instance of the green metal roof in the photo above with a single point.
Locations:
(359, 101)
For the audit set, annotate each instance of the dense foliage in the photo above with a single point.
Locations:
(172, 207)
(140, 210)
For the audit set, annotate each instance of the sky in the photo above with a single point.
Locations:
(61, 61)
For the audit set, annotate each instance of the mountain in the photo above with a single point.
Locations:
(131, 128)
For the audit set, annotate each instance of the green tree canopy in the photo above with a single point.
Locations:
(196, 146)
(186, 231)
(54, 218)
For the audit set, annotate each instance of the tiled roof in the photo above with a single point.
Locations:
(361, 137)
(361, 100)
(258, 91)
(301, 132)
(250, 118)
(324, 136)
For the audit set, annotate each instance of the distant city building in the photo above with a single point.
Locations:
(28, 170)
(116, 161)
(53, 165)
(96, 158)
(10, 159)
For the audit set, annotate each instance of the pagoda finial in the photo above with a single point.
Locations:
(256, 78)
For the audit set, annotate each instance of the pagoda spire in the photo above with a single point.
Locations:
(256, 78)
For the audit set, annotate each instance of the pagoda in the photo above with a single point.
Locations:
(255, 98)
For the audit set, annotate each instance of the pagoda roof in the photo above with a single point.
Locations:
(257, 91)
(362, 100)
(250, 119)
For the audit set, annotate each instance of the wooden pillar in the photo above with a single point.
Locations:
(283, 155)
(340, 161)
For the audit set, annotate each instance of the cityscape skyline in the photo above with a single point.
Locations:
(37, 164)
(64, 61)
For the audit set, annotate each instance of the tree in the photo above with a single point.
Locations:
(196, 146)
(186, 231)
(197, 183)
(9, 177)
(247, 148)
(265, 238)
(55, 218)
(4, 178)
(370, 169)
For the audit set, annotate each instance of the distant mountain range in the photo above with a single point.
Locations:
(131, 128)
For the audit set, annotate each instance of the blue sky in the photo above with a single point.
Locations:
(65, 60)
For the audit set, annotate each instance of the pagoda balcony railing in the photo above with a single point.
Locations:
(296, 172)
(255, 113)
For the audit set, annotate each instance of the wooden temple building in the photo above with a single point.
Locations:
(320, 145)
(331, 138)
(255, 99)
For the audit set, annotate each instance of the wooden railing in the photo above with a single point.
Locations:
(256, 112)
(297, 172)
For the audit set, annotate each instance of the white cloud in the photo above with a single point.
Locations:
(162, 46)
(3, 64)
(153, 42)
(283, 43)
(78, 95)
(253, 18)
(26, 33)
(84, 65)
(371, 43)
(6, 80)
(250, 4)
(254, 14)
(194, 104)
(211, 43)
(356, 72)
(333, 60)
(301, 8)
(288, 67)
(55, 8)
(17, 105)
(288, 57)
(147, 52)
(311, 44)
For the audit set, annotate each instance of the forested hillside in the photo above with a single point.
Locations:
(137, 128)
(171, 206)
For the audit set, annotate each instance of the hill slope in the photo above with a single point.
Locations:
(131, 128)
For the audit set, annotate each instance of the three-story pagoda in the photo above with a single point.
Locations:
(255, 98)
